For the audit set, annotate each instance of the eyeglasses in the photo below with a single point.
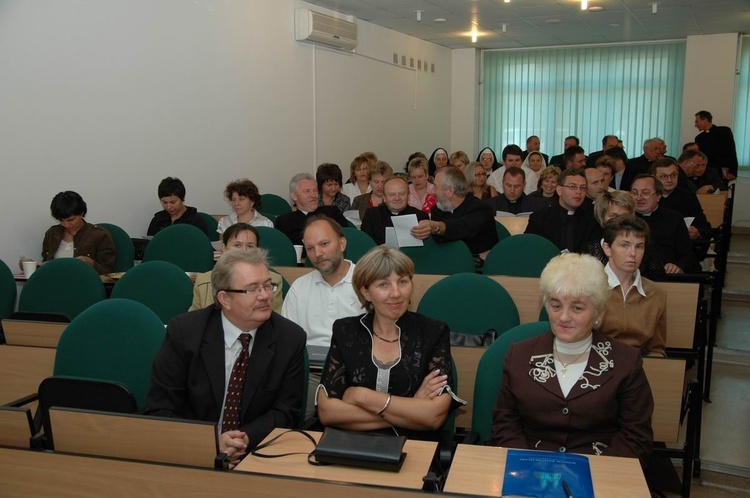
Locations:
(642, 193)
(671, 176)
(255, 289)
(574, 188)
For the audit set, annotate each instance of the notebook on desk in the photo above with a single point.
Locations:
(546, 474)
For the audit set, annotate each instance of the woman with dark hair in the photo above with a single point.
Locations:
(329, 179)
(172, 197)
(438, 159)
(73, 237)
(388, 370)
(242, 237)
(245, 200)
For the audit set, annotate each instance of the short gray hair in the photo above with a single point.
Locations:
(575, 275)
(221, 276)
(454, 177)
(298, 178)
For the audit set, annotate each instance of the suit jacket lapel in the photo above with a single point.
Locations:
(212, 352)
(542, 366)
(264, 349)
(599, 369)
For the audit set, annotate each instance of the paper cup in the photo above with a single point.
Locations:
(29, 267)
(298, 250)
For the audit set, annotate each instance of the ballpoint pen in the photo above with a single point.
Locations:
(566, 488)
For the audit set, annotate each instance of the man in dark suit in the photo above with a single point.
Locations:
(642, 164)
(565, 224)
(668, 231)
(558, 160)
(512, 199)
(396, 197)
(717, 142)
(532, 145)
(608, 142)
(195, 374)
(700, 178)
(303, 189)
(458, 215)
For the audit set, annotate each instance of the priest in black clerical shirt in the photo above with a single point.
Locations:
(396, 195)
(565, 224)
(512, 199)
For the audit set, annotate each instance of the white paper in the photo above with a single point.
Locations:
(689, 220)
(403, 225)
(390, 237)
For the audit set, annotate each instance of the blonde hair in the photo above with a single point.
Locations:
(575, 275)
(379, 262)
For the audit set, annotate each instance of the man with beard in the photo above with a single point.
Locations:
(316, 300)
(458, 215)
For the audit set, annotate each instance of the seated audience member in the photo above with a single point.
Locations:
(378, 174)
(459, 159)
(172, 197)
(396, 193)
(636, 312)
(573, 389)
(243, 237)
(574, 157)
(681, 199)
(608, 142)
(532, 145)
(702, 180)
(511, 157)
(315, 300)
(489, 160)
(595, 186)
(388, 370)
(513, 199)
(458, 215)
(532, 166)
(438, 159)
(304, 193)
(421, 191)
(74, 237)
(547, 185)
(609, 206)
(329, 180)
(607, 166)
(476, 177)
(558, 160)
(690, 146)
(565, 224)
(358, 183)
(643, 163)
(668, 230)
(238, 364)
(623, 175)
(245, 200)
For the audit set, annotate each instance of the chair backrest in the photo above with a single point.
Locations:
(183, 245)
(115, 340)
(160, 285)
(79, 392)
(211, 225)
(66, 286)
(490, 375)
(123, 245)
(502, 232)
(447, 258)
(357, 243)
(274, 204)
(523, 255)
(455, 298)
(280, 248)
(7, 291)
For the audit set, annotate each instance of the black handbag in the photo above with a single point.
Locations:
(361, 449)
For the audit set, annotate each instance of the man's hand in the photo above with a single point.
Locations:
(233, 443)
(672, 268)
(422, 230)
(693, 232)
(86, 259)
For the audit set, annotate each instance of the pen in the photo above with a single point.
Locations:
(566, 488)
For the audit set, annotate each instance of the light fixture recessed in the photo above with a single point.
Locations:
(553, 21)
(439, 19)
(596, 8)
(614, 25)
(584, 4)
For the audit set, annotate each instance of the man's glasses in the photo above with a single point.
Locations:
(574, 188)
(642, 193)
(255, 289)
(671, 176)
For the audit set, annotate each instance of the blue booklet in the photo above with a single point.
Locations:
(547, 474)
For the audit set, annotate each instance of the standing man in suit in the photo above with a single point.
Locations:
(513, 199)
(303, 189)
(238, 364)
(717, 142)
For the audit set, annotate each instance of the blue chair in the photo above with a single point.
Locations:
(280, 249)
(357, 243)
(7, 291)
(211, 225)
(183, 245)
(274, 204)
(447, 258)
(523, 255)
(124, 246)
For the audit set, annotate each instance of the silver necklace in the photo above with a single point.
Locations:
(565, 365)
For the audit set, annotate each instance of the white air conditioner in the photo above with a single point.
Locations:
(315, 27)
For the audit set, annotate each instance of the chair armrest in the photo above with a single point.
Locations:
(24, 401)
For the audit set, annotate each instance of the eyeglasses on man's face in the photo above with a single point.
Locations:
(642, 193)
(670, 176)
(573, 188)
(256, 289)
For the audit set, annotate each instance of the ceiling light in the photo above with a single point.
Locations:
(419, 15)
(473, 32)
(654, 7)
(553, 21)
(584, 4)
(596, 8)
(614, 25)
(439, 19)
(505, 27)
(507, 1)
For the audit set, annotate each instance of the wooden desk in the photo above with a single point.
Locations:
(479, 470)
(22, 369)
(76, 476)
(416, 465)
(33, 333)
(713, 207)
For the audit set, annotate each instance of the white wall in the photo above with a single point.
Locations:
(465, 100)
(710, 65)
(107, 97)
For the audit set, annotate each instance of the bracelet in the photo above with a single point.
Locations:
(385, 406)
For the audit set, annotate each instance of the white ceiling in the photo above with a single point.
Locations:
(527, 20)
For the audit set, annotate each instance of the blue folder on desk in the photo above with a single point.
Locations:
(546, 474)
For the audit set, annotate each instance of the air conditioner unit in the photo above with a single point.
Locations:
(315, 27)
